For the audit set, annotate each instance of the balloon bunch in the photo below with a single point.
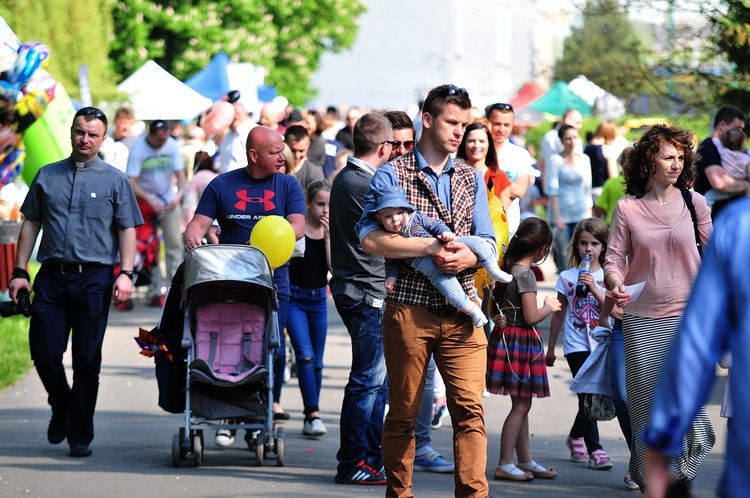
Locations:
(25, 92)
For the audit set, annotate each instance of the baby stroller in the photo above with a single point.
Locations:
(229, 340)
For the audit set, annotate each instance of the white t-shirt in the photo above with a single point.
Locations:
(232, 154)
(580, 311)
(155, 168)
(515, 160)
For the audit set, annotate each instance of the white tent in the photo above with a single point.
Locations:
(605, 104)
(156, 94)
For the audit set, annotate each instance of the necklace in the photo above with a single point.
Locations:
(662, 203)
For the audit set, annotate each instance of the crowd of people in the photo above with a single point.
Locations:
(401, 224)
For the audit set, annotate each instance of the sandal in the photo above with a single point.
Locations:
(509, 476)
(548, 473)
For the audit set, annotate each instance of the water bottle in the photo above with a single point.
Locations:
(582, 289)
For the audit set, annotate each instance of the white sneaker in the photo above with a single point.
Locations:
(314, 427)
(224, 438)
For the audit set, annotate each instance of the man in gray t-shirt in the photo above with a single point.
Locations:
(89, 212)
(157, 174)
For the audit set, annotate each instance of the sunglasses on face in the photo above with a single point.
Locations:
(408, 144)
(394, 143)
(92, 111)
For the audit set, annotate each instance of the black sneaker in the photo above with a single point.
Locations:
(362, 474)
(57, 430)
(80, 450)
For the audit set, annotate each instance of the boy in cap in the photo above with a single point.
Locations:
(397, 215)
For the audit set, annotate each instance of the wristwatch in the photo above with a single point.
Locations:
(128, 273)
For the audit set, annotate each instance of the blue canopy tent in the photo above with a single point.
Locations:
(221, 75)
(212, 81)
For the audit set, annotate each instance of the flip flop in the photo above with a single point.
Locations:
(507, 476)
(548, 473)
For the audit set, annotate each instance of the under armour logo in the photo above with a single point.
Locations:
(265, 200)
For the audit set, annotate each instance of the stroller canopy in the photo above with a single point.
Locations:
(227, 262)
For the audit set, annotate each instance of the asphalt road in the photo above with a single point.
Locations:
(132, 449)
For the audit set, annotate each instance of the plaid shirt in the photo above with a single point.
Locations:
(413, 287)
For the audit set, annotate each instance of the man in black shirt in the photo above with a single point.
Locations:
(711, 174)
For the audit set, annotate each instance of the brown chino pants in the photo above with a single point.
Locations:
(410, 334)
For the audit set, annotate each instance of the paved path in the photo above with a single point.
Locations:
(132, 449)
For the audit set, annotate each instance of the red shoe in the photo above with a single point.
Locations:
(126, 305)
(158, 301)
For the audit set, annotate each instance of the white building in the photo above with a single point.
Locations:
(405, 47)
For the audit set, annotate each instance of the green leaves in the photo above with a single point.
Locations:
(287, 37)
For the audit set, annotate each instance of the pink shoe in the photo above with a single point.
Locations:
(599, 460)
(577, 449)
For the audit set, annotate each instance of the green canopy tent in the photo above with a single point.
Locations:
(559, 99)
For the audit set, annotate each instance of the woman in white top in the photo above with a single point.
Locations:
(569, 190)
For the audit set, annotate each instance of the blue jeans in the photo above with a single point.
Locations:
(423, 429)
(366, 393)
(617, 362)
(279, 363)
(307, 324)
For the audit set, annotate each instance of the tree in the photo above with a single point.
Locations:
(76, 32)
(287, 37)
(606, 49)
(731, 38)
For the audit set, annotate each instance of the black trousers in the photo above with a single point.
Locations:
(583, 426)
(77, 303)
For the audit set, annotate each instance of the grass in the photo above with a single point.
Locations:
(14, 344)
(14, 350)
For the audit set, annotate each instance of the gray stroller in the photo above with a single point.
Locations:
(229, 341)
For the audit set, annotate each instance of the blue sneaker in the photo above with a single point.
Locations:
(433, 462)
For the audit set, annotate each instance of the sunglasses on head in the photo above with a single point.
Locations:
(501, 107)
(454, 90)
(158, 125)
(92, 111)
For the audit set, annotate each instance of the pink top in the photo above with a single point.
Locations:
(663, 255)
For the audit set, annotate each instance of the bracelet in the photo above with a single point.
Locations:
(19, 272)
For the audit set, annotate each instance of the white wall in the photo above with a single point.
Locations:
(406, 47)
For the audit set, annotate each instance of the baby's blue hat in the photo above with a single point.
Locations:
(391, 197)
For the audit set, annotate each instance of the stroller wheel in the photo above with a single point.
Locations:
(260, 448)
(280, 447)
(176, 451)
(197, 450)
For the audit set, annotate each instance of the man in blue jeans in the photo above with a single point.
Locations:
(358, 289)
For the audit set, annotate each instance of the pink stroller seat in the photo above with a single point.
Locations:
(229, 344)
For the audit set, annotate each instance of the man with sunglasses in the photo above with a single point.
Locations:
(426, 459)
(417, 320)
(89, 212)
(358, 290)
(513, 159)
(155, 166)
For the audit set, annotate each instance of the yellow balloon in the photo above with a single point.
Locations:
(274, 236)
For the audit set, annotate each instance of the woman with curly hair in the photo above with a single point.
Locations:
(653, 234)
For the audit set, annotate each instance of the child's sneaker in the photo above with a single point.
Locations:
(440, 413)
(630, 484)
(577, 449)
(599, 460)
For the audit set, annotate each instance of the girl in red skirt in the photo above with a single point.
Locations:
(516, 361)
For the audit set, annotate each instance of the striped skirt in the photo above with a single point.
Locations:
(647, 342)
(515, 363)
